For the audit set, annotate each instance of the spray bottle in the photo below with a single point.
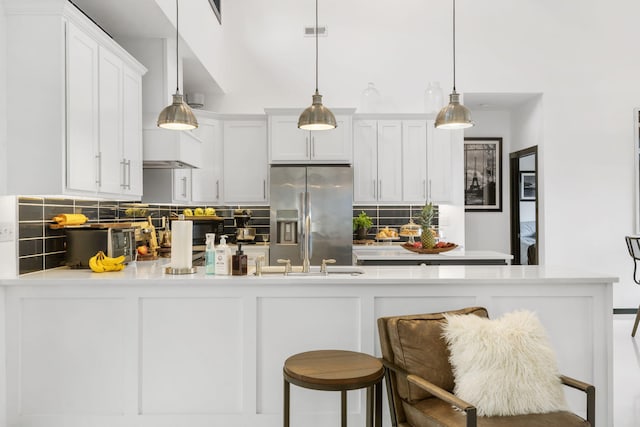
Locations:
(210, 254)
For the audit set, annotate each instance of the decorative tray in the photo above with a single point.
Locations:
(450, 246)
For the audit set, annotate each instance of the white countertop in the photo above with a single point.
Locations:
(152, 273)
(398, 253)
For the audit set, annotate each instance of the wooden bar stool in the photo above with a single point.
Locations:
(337, 370)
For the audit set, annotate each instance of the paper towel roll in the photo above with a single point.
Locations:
(181, 244)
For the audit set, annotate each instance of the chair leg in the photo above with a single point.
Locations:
(369, 407)
(343, 408)
(635, 324)
(286, 403)
(378, 404)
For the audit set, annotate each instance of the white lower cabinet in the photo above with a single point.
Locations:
(88, 139)
(246, 173)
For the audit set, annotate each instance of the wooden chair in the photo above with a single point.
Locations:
(420, 381)
(633, 245)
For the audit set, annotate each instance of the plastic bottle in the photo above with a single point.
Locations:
(223, 255)
(239, 263)
(210, 254)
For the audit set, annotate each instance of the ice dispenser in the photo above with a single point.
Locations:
(287, 221)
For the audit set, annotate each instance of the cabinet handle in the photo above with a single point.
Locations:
(128, 174)
(313, 147)
(184, 186)
(99, 171)
(218, 189)
(123, 175)
(264, 189)
(375, 189)
(306, 146)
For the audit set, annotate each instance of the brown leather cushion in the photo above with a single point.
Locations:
(418, 347)
(433, 412)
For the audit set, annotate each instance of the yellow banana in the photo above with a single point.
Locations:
(95, 265)
(111, 261)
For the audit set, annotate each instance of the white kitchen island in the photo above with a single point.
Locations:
(139, 348)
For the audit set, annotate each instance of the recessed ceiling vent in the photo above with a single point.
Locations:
(309, 31)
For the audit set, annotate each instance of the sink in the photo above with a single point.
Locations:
(296, 270)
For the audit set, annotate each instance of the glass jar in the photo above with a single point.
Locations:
(370, 99)
(433, 98)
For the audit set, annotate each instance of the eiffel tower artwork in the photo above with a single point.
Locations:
(482, 164)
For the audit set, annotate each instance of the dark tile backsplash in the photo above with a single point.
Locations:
(391, 216)
(41, 247)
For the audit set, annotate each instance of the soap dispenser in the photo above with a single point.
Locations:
(222, 266)
(239, 262)
(210, 254)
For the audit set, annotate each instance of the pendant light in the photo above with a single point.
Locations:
(317, 117)
(454, 115)
(177, 116)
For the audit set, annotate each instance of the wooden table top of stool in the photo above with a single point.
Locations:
(333, 370)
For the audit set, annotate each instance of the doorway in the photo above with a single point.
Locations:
(523, 182)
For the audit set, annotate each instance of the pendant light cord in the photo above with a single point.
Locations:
(454, 45)
(316, 31)
(177, 41)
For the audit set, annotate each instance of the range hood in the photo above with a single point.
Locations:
(162, 148)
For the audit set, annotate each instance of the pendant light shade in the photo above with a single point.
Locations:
(454, 115)
(317, 116)
(178, 115)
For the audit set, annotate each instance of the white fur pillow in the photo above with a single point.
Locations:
(504, 366)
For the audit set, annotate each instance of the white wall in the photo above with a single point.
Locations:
(3, 101)
(490, 230)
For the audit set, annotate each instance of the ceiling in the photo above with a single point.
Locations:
(126, 19)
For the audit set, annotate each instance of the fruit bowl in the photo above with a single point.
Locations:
(444, 247)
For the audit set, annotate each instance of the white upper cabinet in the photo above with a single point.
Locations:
(246, 173)
(206, 182)
(76, 105)
(440, 155)
(288, 144)
(377, 161)
(414, 161)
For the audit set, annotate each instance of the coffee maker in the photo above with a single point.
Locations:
(244, 233)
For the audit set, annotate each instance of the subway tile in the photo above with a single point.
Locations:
(30, 264)
(30, 213)
(52, 201)
(30, 247)
(56, 244)
(53, 232)
(30, 200)
(54, 260)
(86, 204)
(29, 230)
(52, 210)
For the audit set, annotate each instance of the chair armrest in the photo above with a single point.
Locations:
(590, 390)
(436, 391)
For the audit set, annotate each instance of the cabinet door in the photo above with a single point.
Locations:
(414, 161)
(440, 144)
(82, 111)
(245, 162)
(132, 134)
(288, 143)
(111, 115)
(333, 145)
(206, 185)
(365, 161)
(389, 161)
(182, 185)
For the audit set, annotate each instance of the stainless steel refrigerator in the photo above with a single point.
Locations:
(317, 198)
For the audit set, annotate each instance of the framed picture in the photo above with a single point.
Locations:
(527, 185)
(483, 174)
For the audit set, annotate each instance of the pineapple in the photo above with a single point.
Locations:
(424, 219)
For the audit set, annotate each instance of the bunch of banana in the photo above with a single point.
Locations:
(99, 263)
